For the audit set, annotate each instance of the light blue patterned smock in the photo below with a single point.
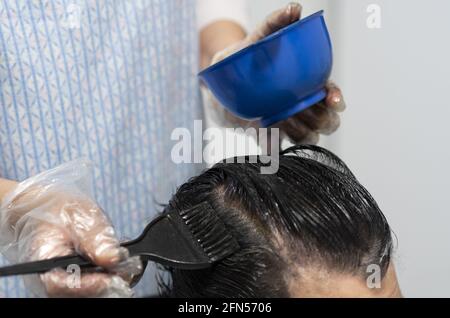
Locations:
(104, 79)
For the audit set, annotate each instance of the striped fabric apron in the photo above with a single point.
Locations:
(104, 79)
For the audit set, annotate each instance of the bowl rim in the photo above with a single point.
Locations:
(261, 42)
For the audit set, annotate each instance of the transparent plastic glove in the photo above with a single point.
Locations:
(53, 214)
(304, 127)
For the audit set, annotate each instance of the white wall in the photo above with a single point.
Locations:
(395, 133)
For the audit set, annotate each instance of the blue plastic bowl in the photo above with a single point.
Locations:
(277, 77)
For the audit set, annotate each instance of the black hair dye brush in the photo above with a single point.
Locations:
(191, 239)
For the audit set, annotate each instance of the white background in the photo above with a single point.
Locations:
(395, 133)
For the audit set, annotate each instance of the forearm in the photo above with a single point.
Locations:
(6, 219)
(217, 36)
(5, 187)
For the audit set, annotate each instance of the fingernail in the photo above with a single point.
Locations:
(123, 253)
(293, 5)
(338, 102)
(111, 255)
(291, 8)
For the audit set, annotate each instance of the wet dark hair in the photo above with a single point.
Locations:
(312, 212)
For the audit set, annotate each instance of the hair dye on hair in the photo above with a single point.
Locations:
(312, 212)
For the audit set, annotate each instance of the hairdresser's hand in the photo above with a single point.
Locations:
(306, 126)
(51, 215)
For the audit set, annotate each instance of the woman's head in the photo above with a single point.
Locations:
(309, 230)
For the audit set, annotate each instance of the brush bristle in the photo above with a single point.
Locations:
(210, 232)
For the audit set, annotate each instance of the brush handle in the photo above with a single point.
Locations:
(178, 240)
(39, 267)
(43, 266)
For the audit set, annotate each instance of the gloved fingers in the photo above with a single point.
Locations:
(93, 234)
(73, 175)
(59, 283)
(35, 190)
(334, 99)
(52, 215)
(129, 269)
(95, 237)
(48, 241)
(70, 220)
(219, 56)
(320, 118)
(298, 132)
(117, 288)
(276, 21)
(43, 241)
(23, 201)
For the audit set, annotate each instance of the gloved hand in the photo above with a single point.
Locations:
(53, 214)
(306, 126)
